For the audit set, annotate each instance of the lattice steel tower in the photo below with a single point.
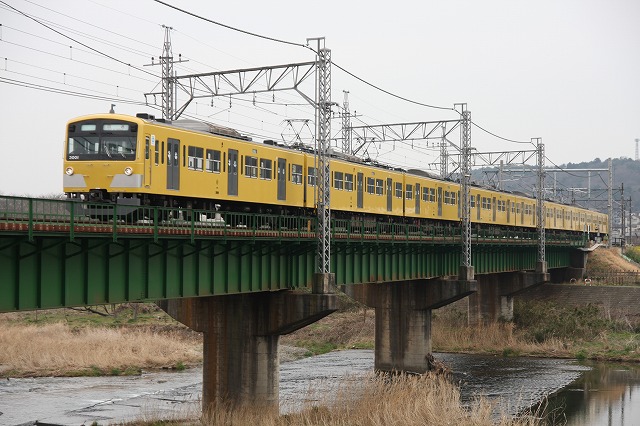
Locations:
(323, 181)
(465, 178)
(540, 210)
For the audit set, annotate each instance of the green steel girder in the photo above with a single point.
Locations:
(49, 271)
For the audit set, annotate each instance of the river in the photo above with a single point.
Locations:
(588, 394)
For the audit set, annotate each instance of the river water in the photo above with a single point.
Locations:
(595, 394)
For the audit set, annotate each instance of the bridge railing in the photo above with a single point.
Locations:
(39, 216)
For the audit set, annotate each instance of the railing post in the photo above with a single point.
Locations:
(30, 219)
(115, 222)
(193, 225)
(155, 224)
(72, 221)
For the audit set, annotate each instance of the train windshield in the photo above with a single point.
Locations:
(102, 140)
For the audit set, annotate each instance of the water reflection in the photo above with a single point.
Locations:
(607, 394)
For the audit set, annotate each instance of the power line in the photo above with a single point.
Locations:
(90, 24)
(76, 41)
(68, 92)
(306, 47)
(76, 60)
(500, 137)
(65, 75)
(230, 27)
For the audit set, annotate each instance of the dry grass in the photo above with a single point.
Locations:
(608, 259)
(381, 400)
(57, 349)
(496, 338)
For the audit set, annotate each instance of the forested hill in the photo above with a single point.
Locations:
(625, 171)
(573, 185)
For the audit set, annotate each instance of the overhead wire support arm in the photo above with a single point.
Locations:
(423, 130)
(247, 80)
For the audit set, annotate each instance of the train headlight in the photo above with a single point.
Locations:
(69, 171)
(128, 171)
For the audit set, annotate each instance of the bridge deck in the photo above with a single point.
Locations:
(53, 255)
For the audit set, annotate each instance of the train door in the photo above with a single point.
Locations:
(173, 163)
(232, 170)
(555, 217)
(493, 206)
(389, 194)
(282, 179)
(440, 201)
(478, 206)
(522, 213)
(508, 211)
(360, 190)
(149, 144)
(417, 198)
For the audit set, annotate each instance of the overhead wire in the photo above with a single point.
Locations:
(67, 92)
(75, 60)
(76, 41)
(68, 75)
(254, 35)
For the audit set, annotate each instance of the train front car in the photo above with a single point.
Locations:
(104, 164)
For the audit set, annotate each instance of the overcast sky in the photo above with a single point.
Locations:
(567, 71)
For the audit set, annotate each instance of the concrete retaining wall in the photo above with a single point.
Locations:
(620, 299)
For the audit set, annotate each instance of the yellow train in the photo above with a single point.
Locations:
(141, 161)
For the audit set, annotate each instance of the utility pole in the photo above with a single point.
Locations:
(466, 270)
(169, 88)
(540, 211)
(324, 279)
(346, 125)
(444, 157)
(610, 206)
(623, 227)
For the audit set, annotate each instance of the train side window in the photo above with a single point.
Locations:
(162, 152)
(348, 182)
(251, 167)
(338, 180)
(472, 201)
(265, 169)
(311, 176)
(432, 195)
(296, 174)
(157, 153)
(371, 185)
(398, 191)
(196, 160)
(213, 161)
(409, 191)
(425, 194)
(447, 197)
(183, 156)
(486, 203)
(379, 187)
(453, 198)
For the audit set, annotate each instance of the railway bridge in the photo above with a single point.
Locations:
(245, 279)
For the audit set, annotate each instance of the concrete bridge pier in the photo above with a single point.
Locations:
(577, 267)
(403, 319)
(493, 299)
(241, 336)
